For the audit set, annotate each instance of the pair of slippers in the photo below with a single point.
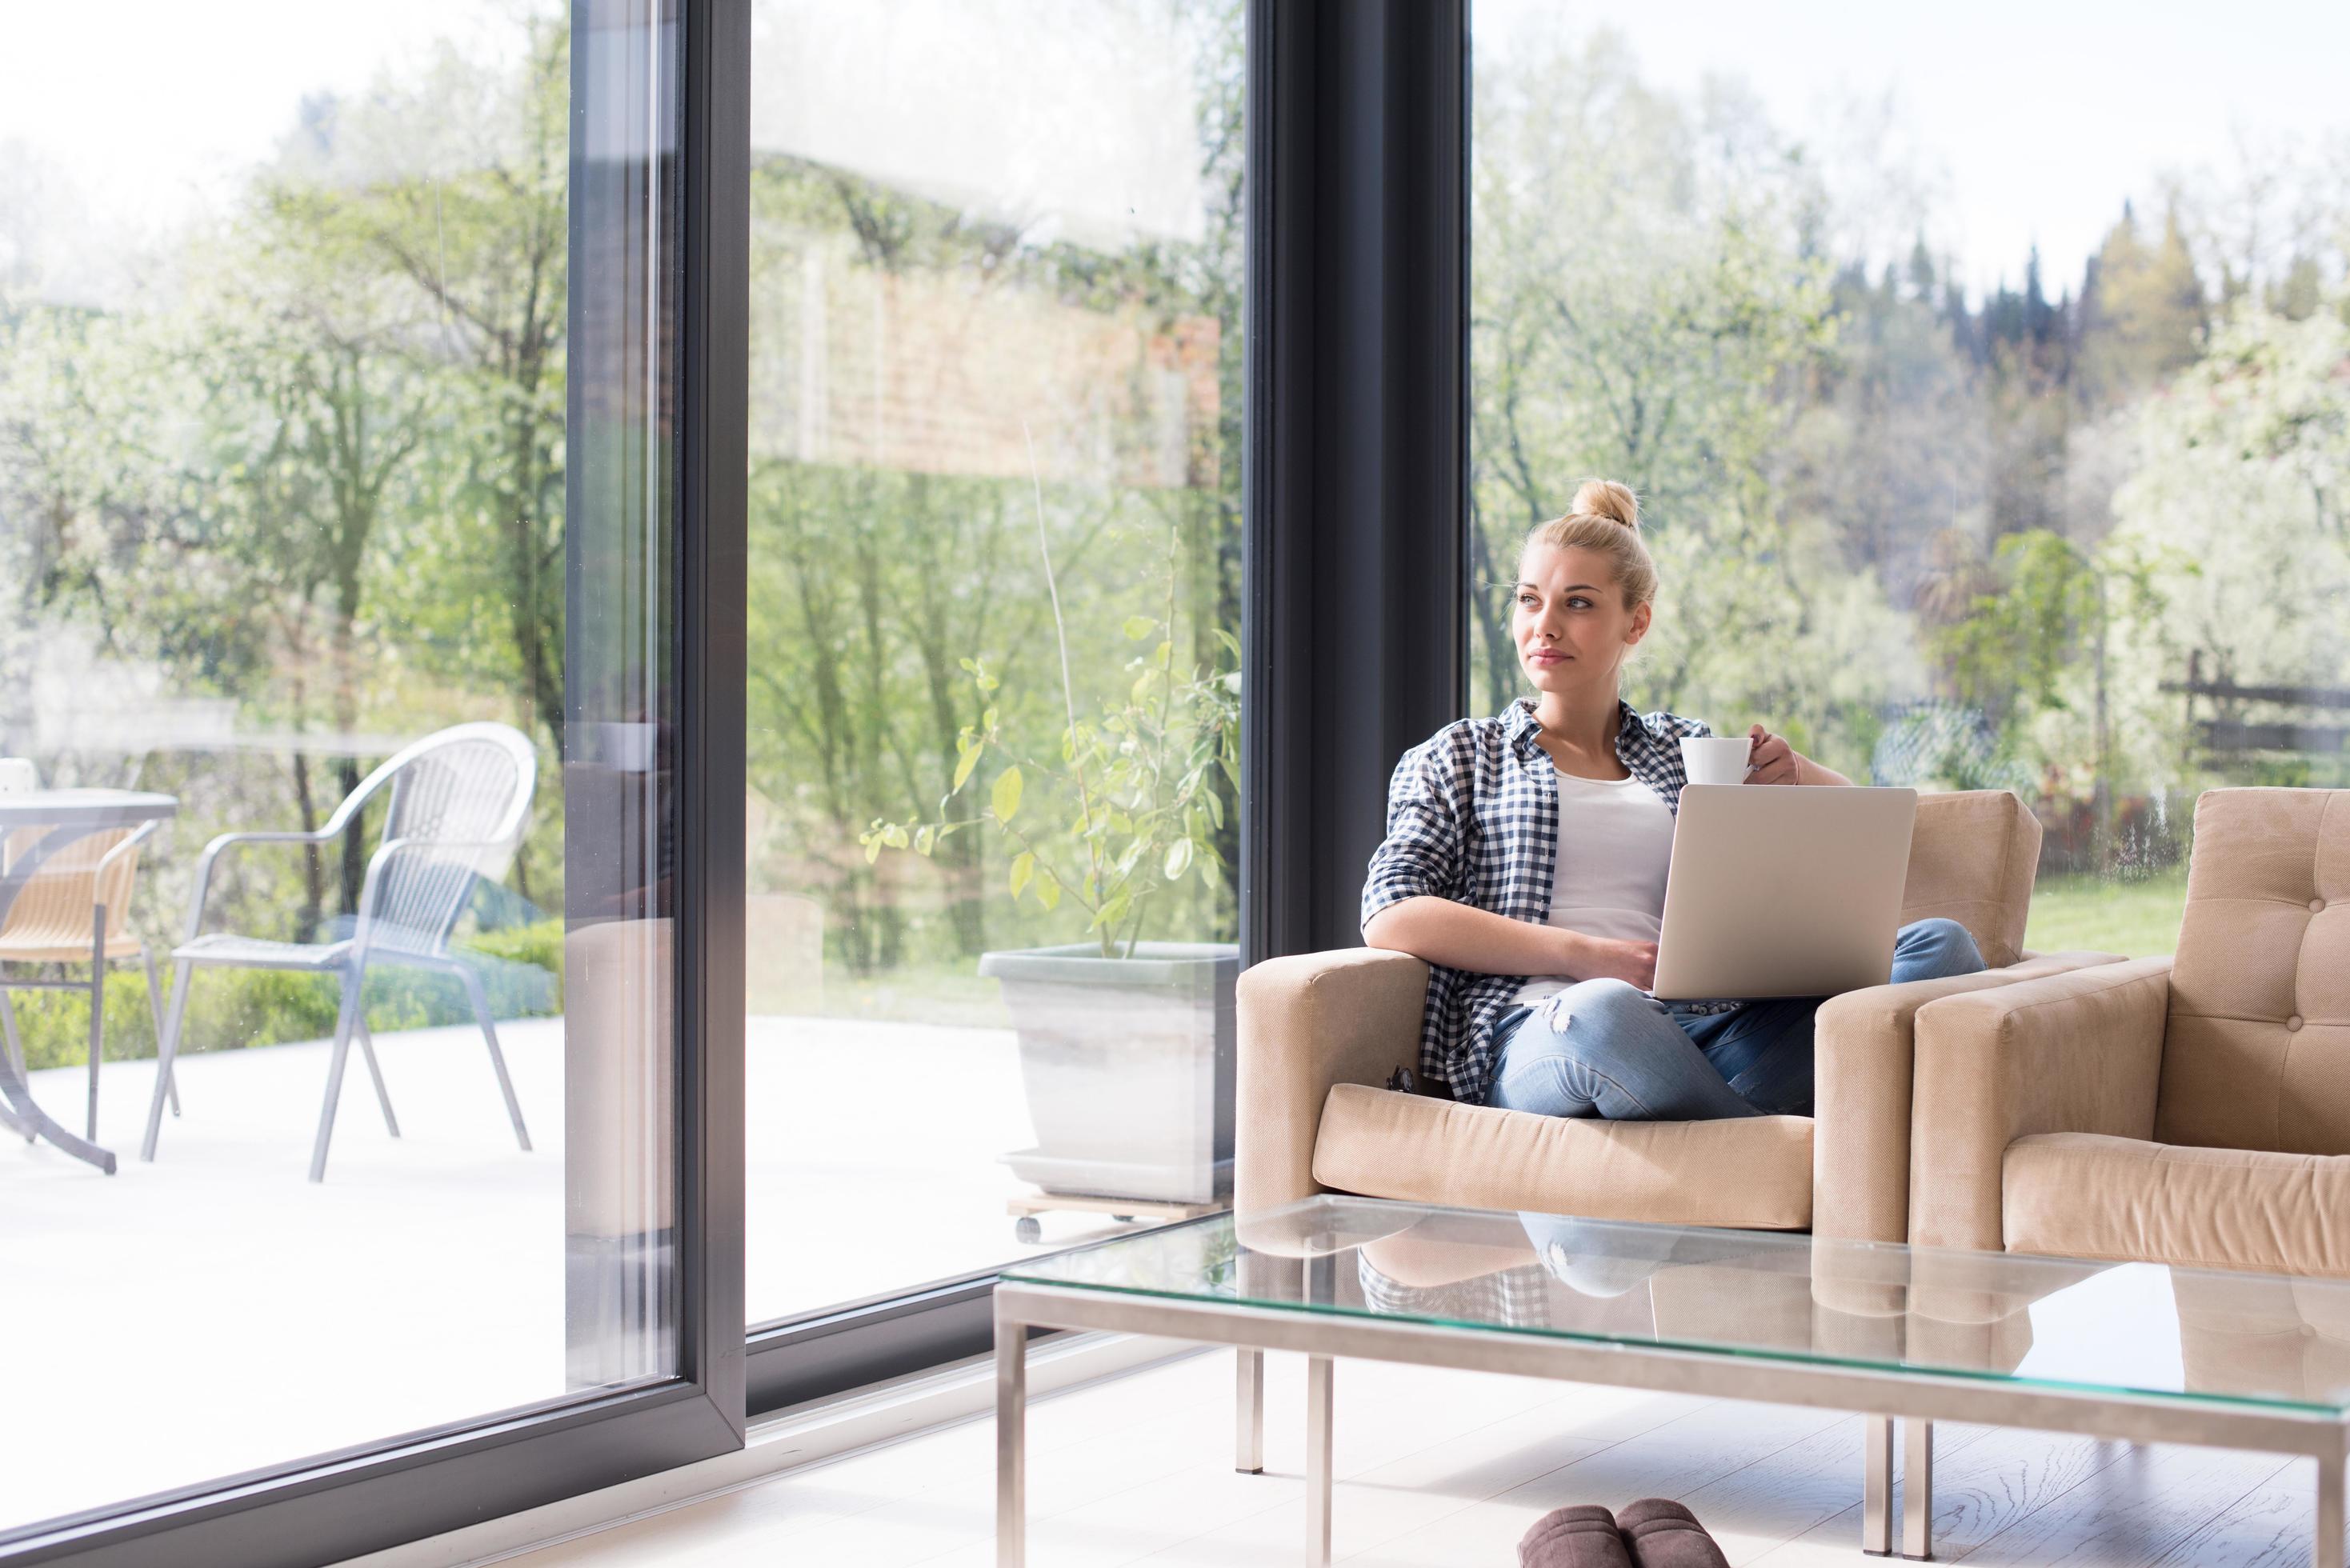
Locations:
(1654, 1533)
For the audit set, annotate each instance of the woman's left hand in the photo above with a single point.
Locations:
(1770, 761)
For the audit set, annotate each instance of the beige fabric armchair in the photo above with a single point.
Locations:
(2191, 1110)
(1321, 1033)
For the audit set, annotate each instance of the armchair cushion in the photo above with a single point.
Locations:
(2079, 1052)
(2085, 1196)
(1754, 1173)
(1971, 858)
(2259, 1051)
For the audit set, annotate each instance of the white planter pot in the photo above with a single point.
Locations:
(1127, 1066)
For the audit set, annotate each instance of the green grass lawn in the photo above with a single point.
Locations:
(2137, 920)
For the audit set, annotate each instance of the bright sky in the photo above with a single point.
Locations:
(1070, 113)
(2030, 120)
(2037, 117)
(149, 106)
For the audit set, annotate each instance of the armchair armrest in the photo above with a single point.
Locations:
(1305, 1022)
(1862, 1089)
(2070, 1053)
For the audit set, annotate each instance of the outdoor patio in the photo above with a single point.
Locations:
(423, 1281)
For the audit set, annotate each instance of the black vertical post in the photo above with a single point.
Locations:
(620, 698)
(713, 575)
(654, 612)
(1353, 629)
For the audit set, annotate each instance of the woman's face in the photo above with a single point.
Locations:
(1570, 624)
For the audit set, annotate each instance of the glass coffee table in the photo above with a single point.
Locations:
(1914, 1334)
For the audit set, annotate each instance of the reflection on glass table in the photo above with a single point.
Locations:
(2135, 1351)
(2123, 1328)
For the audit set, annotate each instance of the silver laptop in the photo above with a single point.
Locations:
(1783, 891)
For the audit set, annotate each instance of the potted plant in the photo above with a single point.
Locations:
(1126, 1045)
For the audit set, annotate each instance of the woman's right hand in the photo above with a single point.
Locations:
(1610, 957)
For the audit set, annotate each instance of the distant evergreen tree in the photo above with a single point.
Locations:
(1922, 272)
(2039, 321)
(2144, 315)
(2297, 296)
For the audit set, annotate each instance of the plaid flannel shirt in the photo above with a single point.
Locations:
(1472, 816)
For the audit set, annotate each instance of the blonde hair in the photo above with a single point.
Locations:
(1605, 519)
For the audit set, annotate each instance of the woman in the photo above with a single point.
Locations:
(1526, 862)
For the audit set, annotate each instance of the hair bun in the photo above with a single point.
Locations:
(1605, 498)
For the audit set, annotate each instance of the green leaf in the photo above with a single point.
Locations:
(1139, 626)
(872, 850)
(925, 840)
(1165, 656)
(896, 836)
(988, 683)
(962, 768)
(1048, 892)
(988, 719)
(1006, 798)
(1228, 640)
(967, 664)
(1112, 912)
(1215, 805)
(1024, 866)
(1178, 858)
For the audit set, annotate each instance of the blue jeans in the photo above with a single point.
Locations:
(1602, 1048)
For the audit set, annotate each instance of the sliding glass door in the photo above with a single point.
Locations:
(993, 707)
(356, 737)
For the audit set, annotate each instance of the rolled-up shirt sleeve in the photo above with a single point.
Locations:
(1425, 852)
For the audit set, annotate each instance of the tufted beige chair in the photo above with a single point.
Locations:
(2192, 1110)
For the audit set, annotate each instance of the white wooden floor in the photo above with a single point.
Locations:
(1447, 1468)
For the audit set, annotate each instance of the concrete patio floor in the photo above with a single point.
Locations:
(213, 1312)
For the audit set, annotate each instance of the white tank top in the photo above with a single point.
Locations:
(1615, 845)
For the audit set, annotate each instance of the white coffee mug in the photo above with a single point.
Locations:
(1715, 759)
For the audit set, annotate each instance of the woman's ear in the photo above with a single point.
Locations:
(1639, 625)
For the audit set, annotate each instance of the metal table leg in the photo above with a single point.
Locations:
(2329, 1547)
(1318, 1379)
(1011, 1442)
(26, 1113)
(1248, 1412)
(1916, 1488)
(1877, 1486)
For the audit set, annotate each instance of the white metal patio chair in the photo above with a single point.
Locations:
(460, 805)
(77, 909)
